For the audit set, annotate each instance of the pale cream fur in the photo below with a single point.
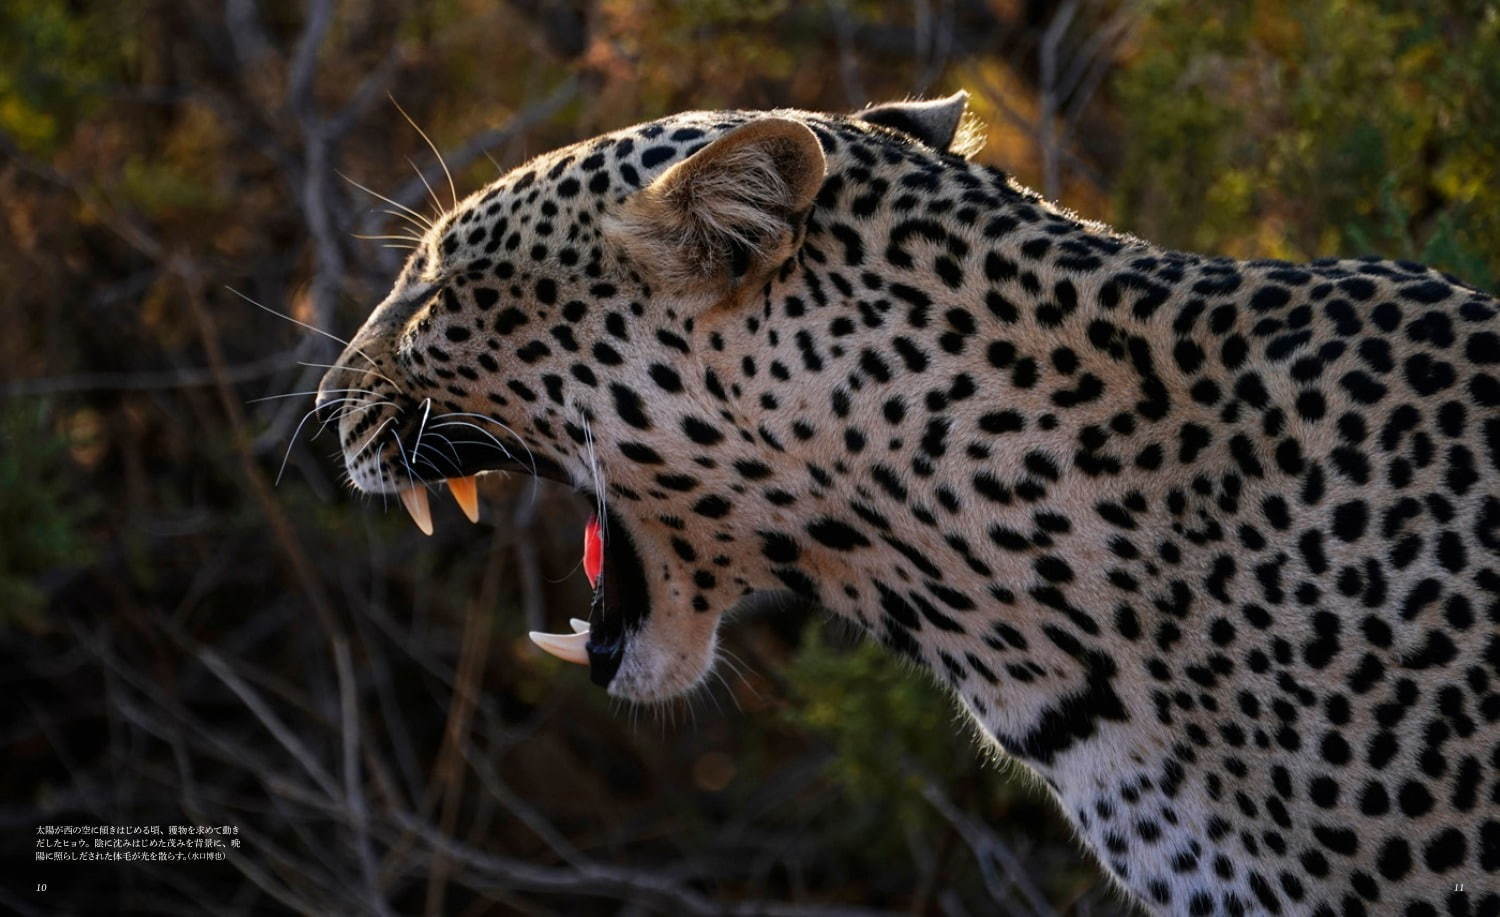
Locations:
(745, 190)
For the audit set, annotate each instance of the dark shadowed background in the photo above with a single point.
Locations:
(183, 640)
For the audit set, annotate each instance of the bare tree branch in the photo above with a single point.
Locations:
(146, 381)
(299, 84)
(989, 851)
(1049, 100)
(607, 881)
(270, 721)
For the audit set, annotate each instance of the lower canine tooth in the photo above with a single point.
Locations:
(579, 625)
(415, 501)
(466, 496)
(567, 647)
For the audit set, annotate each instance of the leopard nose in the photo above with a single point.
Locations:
(323, 409)
(333, 384)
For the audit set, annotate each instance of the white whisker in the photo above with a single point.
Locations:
(282, 470)
(371, 438)
(383, 237)
(423, 179)
(353, 369)
(728, 689)
(315, 330)
(362, 391)
(330, 406)
(350, 412)
(596, 476)
(426, 223)
(422, 427)
(452, 189)
(535, 476)
(530, 457)
(411, 475)
(451, 451)
(493, 441)
(396, 213)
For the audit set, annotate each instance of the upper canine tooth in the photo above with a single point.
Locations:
(415, 501)
(466, 495)
(567, 647)
(579, 625)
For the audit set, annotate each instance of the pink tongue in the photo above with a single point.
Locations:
(593, 551)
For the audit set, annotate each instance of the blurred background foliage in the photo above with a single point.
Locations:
(1314, 127)
(185, 640)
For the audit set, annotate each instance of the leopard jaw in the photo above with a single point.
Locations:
(567, 647)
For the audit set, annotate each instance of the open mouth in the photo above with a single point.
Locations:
(620, 600)
(619, 605)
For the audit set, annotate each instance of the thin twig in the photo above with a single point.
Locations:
(354, 796)
(272, 723)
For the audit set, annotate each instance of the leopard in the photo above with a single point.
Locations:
(1210, 547)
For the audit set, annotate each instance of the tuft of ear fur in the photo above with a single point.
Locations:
(969, 139)
(943, 124)
(726, 215)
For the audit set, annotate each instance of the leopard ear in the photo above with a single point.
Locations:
(939, 123)
(727, 215)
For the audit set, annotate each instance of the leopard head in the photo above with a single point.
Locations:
(587, 318)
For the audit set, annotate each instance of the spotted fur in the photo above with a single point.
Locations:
(1212, 546)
